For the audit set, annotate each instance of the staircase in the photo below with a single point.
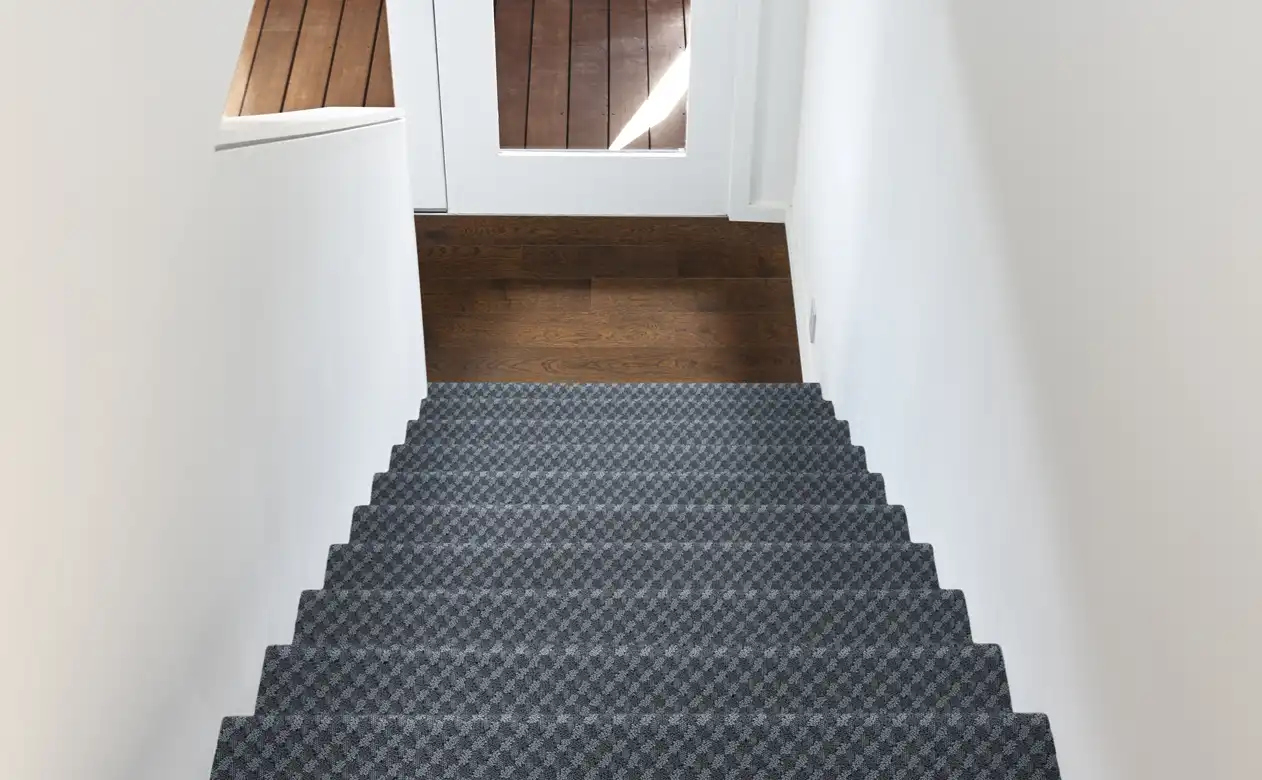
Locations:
(632, 581)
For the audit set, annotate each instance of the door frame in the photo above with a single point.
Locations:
(483, 179)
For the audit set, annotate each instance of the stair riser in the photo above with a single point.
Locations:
(942, 747)
(725, 567)
(428, 457)
(661, 393)
(509, 433)
(633, 487)
(614, 617)
(591, 681)
(448, 524)
(620, 409)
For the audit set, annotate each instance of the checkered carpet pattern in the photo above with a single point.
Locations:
(648, 581)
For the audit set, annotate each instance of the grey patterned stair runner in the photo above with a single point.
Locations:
(632, 581)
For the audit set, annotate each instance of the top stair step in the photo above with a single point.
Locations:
(615, 408)
(659, 392)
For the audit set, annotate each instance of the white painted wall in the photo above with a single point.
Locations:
(767, 71)
(414, 62)
(206, 356)
(1033, 235)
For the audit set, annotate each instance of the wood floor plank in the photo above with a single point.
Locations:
(522, 231)
(547, 119)
(309, 76)
(245, 60)
(352, 57)
(666, 44)
(548, 262)
(706, 295)
(589, 76)
(381, 75)
(498, 296)
(682, 330)
(265, 92)
(628, 66)
(547, 364)
(512, 62)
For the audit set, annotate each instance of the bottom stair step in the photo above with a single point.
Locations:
(591, 679)
(956, 746)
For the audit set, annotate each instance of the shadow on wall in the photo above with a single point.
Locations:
(1029, 232)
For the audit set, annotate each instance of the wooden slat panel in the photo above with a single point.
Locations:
(547, 119)
(546, 364)
(666, 43)
(713, 295)
(497, 296)
(381, 77)
(677, 330)
(265, 92)
(512, 55)
(245, 61)
(310, 74)
(352, 58)
(519, 231)
(589, 75)
(628, 66)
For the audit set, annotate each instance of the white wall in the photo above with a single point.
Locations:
(1033, 235)
(767, 69)
(206, 355)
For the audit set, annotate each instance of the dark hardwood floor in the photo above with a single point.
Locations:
(606, 300)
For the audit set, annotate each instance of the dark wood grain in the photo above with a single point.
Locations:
(269, 77)
(589, 76)
(245, 60)
(628, 66)
(626, 329)
(497, 296)
(586, 299)
(512, 59)
(381, 75)
(309, 76)
(352, 57)
(521, 231)
(714, 295)
(546, 364)
(666, 44)
(547, 120)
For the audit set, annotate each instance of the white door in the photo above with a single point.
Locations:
(687, 84)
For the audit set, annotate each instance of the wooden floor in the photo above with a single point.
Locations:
(606, 300)
(311, 53)
(572, 73)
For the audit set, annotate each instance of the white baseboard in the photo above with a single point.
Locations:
(759, 212)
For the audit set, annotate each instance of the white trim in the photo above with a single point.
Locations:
(799, 270)
(759, 212)
(483, 179)
(746, 39)
(414, 65)
(264, 128)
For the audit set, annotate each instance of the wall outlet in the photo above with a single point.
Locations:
(812, 325)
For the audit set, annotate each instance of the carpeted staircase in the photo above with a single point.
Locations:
(632, 581)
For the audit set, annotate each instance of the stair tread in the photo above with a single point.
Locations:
(641, 565)
(615, 408)
(660, 457)
(657, 390)
(617, 487)
(945, 746)
(669, 616)
(626, 431)
(593, 679)
(404, 523)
